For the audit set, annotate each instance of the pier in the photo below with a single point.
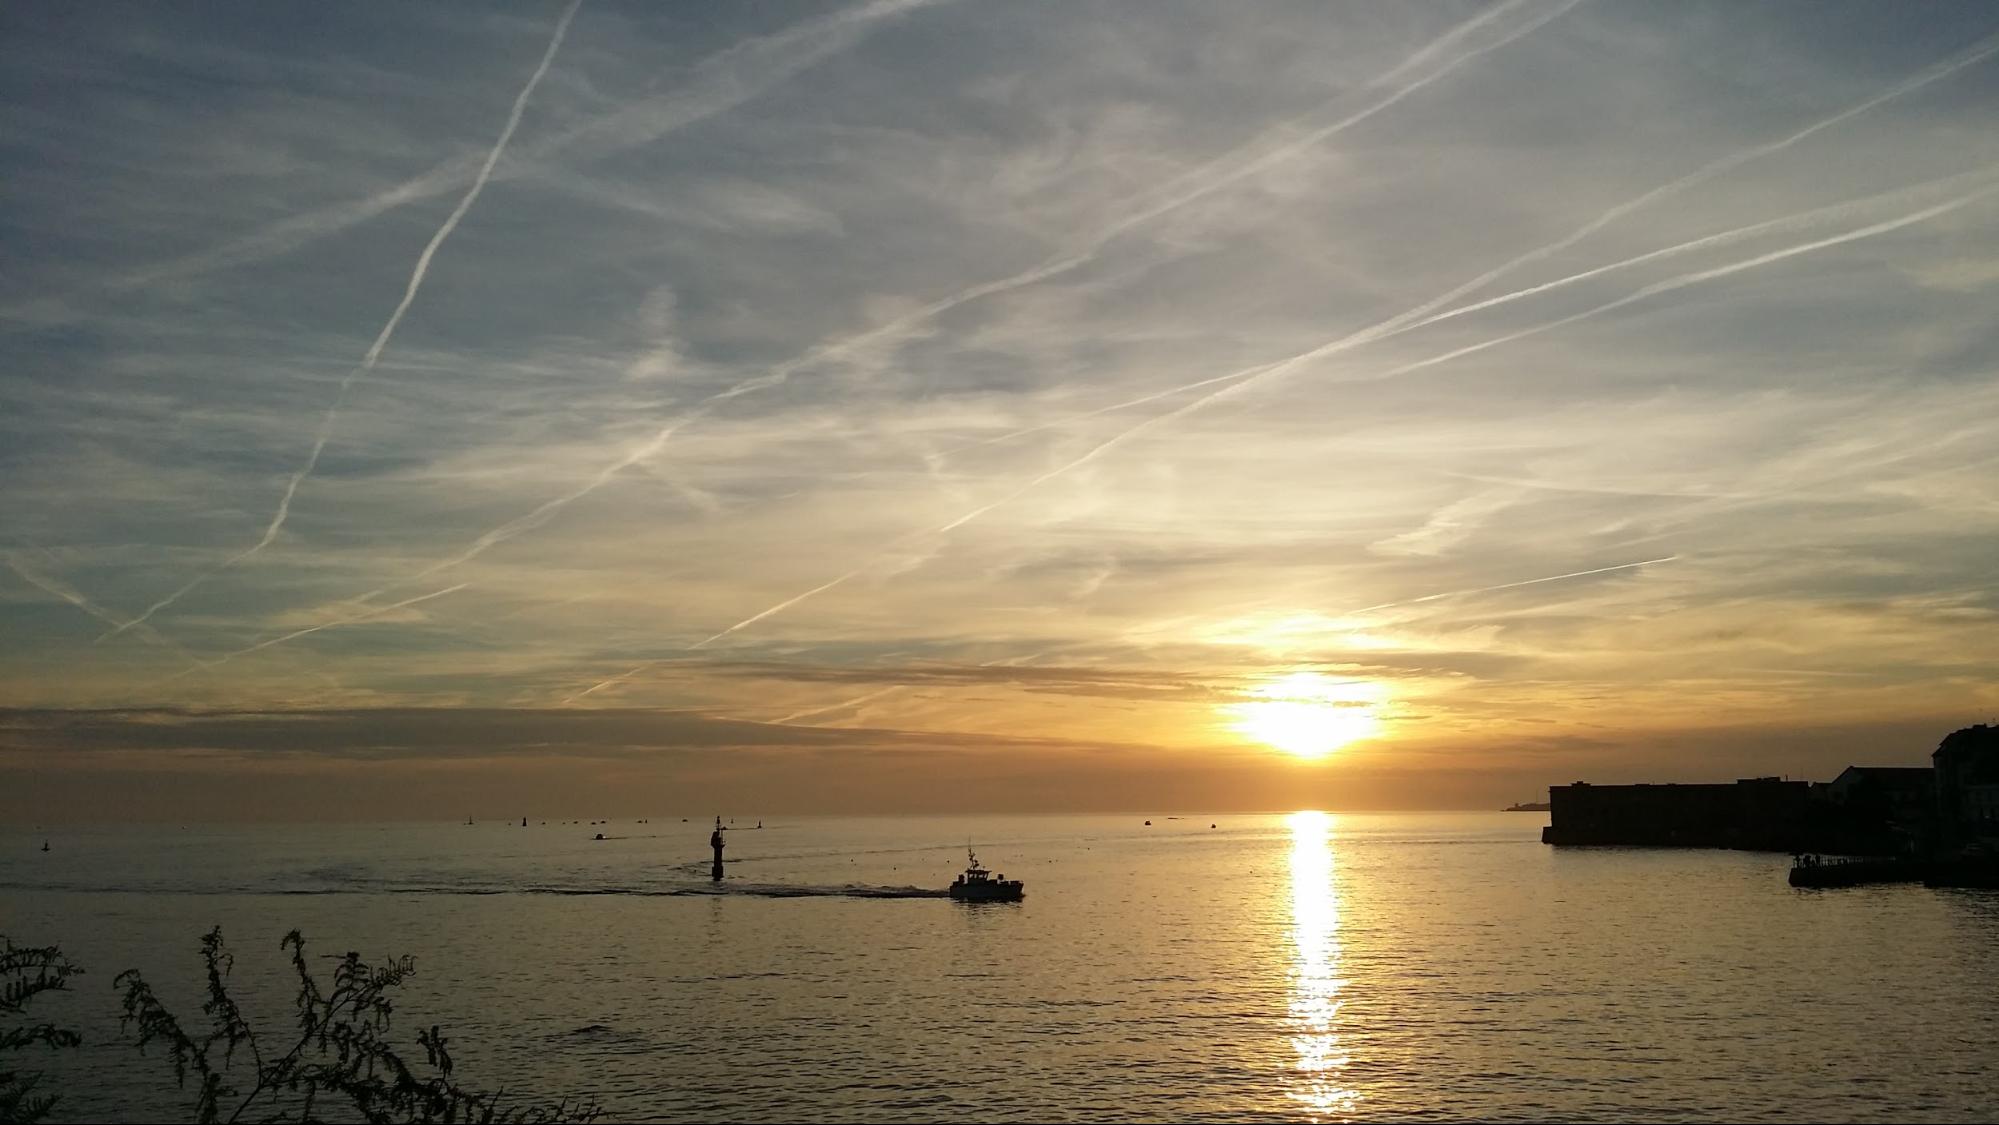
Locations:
(1937, 825)
(1818, 871)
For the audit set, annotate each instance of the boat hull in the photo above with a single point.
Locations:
(1013, 892)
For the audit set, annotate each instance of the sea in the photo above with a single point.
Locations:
(1289, 967)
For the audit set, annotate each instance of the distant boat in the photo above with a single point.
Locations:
(1527, 806)
(45, 845)
(979, 885)
(468, 820)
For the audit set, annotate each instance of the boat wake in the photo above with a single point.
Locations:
(686, 890)
(794, 890)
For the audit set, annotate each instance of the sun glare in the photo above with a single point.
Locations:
(1309, 714)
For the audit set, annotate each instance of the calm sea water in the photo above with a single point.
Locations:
(1300, 968)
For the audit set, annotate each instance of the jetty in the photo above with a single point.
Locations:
(1818, 871)
(1754, 814)
(1937, 824)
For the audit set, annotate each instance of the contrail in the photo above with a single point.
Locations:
(544, 512)
(1394, 325)
(297, 633)
(1977, 52)
(533, 519)
(893, 549)
(374, 353)
(1112, 442)
(70, 594)
(1803, 220)
(1376, 333)
(1256, 372)
(1245, 167)
(715, 88)
(998, 661)
(854, 702)
(747, 621)
(780, 607)
(1680, 282)
(1231, 167)
(1095, 451)
(1010, 661)
(1238, 163)
(1251, 376)
(1514, 585)
(538, 516)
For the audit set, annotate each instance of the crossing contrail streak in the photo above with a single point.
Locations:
(1246, 376)
(1003, 661)
(1232, 167)
(744, 623)
(1420, 315)
(1515, 585)
(891, 551)
(536, 517)
(1213, 176)
(225, 658)
(996, 662)
(374, 353)
(845, 703)
(1237, 381)
(1266, 371)
(60, 590)
(1801, 220)
(1680, 282)
(1979, 51)
(780, 607)
(1251, 376)
(547, 510)
(70, 594)
(717, 84)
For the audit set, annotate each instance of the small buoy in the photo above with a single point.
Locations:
(1148, 824)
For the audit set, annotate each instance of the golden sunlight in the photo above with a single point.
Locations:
(1310, 714)
(1316, 980)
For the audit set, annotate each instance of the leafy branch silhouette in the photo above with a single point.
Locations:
(25, 973)
(341, 1053)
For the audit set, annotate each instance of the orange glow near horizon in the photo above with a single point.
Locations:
(1310, 715)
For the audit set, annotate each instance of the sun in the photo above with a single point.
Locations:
(1310, 715)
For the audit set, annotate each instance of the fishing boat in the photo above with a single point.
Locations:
(979, 885)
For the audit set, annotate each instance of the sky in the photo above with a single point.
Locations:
(912, 405)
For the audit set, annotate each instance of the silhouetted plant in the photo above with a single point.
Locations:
(25, 973)
(341, 1053)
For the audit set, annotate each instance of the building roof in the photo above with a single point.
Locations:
(1979, 739)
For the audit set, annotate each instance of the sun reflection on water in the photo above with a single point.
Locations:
(1316, 983)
